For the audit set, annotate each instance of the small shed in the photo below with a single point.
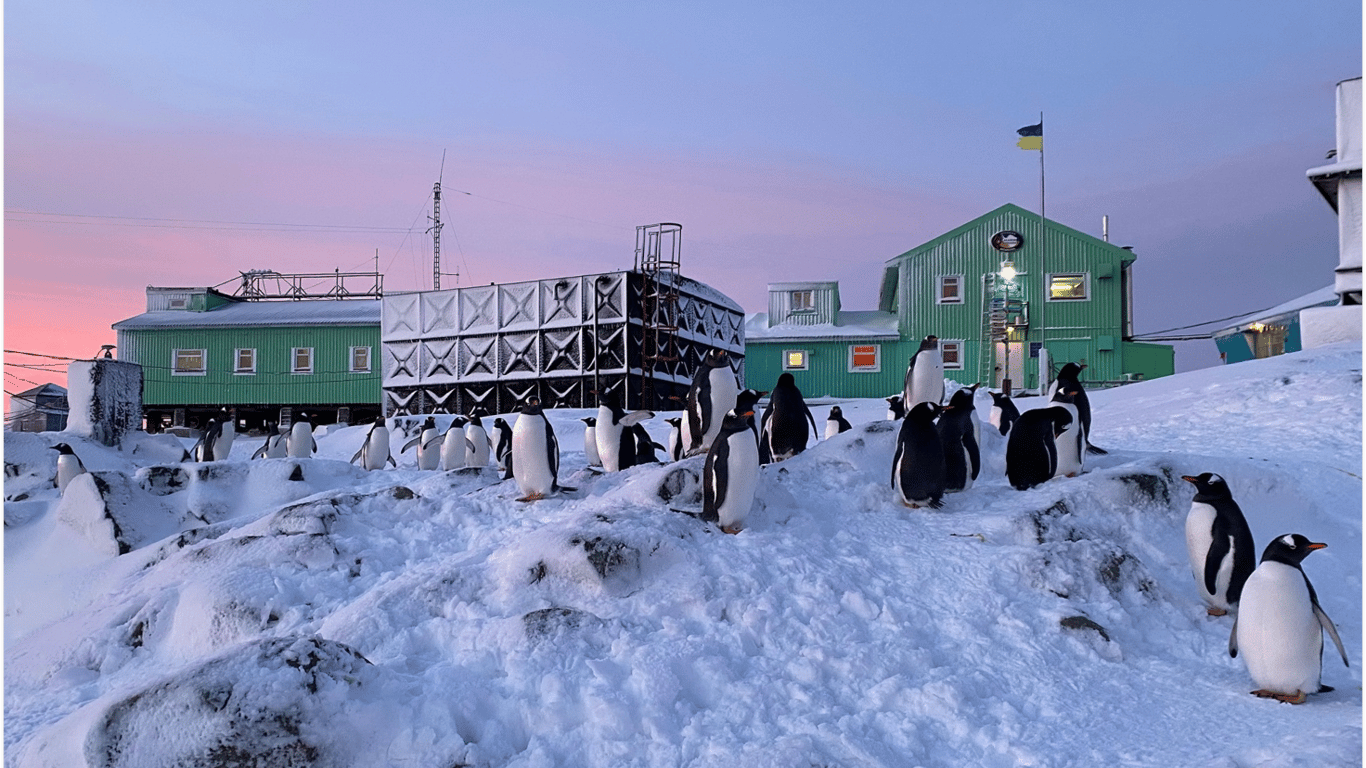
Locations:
(41, 409)
(1270, 332)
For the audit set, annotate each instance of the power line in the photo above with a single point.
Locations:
(1197, 325)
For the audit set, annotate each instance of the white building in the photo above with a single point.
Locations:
(1340, 184)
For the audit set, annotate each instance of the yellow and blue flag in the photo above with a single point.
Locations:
(1031, 137)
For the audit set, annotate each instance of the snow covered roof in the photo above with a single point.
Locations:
(261, 313)
(852, 325)
(1323, 296)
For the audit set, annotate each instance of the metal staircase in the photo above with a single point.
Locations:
(658, 258)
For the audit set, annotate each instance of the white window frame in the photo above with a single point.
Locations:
(237, 368)
(957, 344)
(294, 366)
(876, 367)
(355, 368)
(958, 282)
(806, 359)
(178, 370)
(1085, 285)
(803, 300)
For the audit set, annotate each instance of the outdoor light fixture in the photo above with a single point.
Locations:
(1007, 270)
(1258, 327)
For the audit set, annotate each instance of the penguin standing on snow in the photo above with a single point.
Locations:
(275, 445)
(1279, 628)
(644, 446)
(835, 423)
(919, 473)
(374, 452)
(535, 460)
(1071, 446)
(710, 397)
(962, 457)
(227, 433)
(301, 444)
(68, 465)
(428, 442)
(502, 446)
(896, 407)
(1003, 412)
(590, 441)
(453, 445)
(614, 433)
(924, 376)
(1031, 448)
(784, 432)
(1219, 543)
(1069, 379)
(203, 450)
(476, 442)
(730, 475)
(675, 441)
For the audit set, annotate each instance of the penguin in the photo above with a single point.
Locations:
(896, 407)
(227, 433)
(711, 395)
(68, 465)
(835, 423)
(644, 446)
(1003, 412)
(301, 444)
(784, 432)
(962, 456)
(730, 474)
(453, 445)
(924, 376)
(535, 461)
(1031, 447)
(1071, 446)
(427, 441)
(476, 442)
(1219, 543)
(203, 449)
(615, 438)
(502, 446)
(374, 452)
(1069, 378)
(1279, 627)
(272, 431)
(748, 400)
(590, 441)
(675, 441)
(919, 474)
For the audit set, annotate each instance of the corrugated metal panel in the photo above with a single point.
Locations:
(825, 310)
(249, 314)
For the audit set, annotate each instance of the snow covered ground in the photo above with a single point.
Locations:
(304, 612)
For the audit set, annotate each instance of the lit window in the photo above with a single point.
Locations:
(245, 361)
(795, 360)
(803, 301)
(952, 353)
(865, 358)
(1067, 287)
(302, 360)
(189, 362)
(950, 289)
(360, 359)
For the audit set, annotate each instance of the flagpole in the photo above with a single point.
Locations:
(1043, 254)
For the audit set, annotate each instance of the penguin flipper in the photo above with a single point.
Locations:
(1097, 451)
(974, 454)
(410, 443)
(1233, 639)
(260, 452)
(358, 453)
(1218, 550)
(635, 417)
(1327, 624)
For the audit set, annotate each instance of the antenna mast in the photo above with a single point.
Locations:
(436, 226)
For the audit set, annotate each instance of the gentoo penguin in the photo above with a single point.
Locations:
(711, 395)
(68, 465)
(784, 430)
(227, 432)
(730, 475)
(374, 452)
(273, 437)
(590, 441)
(428, 442)
(1003, 411)
(203, 450)
(1219, 543)
(835, 423)
(962, 457)
(453, 445)
(644, 446)
(535, 453)
(301, 444)
(616, 439)
(1071, 446)
(896, 407)
(502, 446)
(675, 442)
(919, 473)
(1279, 626)
(1069, 379)
(924, 376)
(476, 441)
(1031, 447)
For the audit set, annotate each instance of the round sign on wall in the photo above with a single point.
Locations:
(1007, 241)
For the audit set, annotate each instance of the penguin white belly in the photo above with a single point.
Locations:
(590, 446)
(1279, 637)
(476, 446)
(724, 390)
(1069, 445)
(376, 449)
(967, 462)
(608, 436)
(1199, 538)
(927, 381)
(453, 450)
(428, 453)
(832, 428)
(300, 441)
(675, 437)
(530, 461)
(742, 480)
(222, 447)
(67, 469)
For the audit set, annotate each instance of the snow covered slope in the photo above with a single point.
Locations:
(303, 612)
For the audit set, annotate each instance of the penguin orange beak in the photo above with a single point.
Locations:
(1188, 478)
(1316, 545)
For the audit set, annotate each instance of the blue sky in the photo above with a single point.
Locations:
(792, 140)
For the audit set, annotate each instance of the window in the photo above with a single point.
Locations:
(803, 301)
(360, 359)
(952, 353)
(1070, 286)
(865, 358)
(189, 362)
(796, 360)
(950, 289)
(245, 361)
(302, 358)
(178, 303)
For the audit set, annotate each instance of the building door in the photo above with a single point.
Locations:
(1018, 355)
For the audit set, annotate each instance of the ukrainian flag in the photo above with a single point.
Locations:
(1031, 137)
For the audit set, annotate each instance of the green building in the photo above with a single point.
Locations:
(201, 350)
(1005, 298)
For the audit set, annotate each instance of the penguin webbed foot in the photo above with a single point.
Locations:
(731, 529)
(532, 497)
(1288, 698)
(1212, 611)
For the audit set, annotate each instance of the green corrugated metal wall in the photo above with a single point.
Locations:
(829, 373)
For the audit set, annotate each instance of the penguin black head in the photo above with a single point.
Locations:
(674, 422)
(1061, 421)
(592, 421)
(786, 380)
(1208, 486)
(1290, 549)
(474, 419)
(608, 398)
(962, 399)
(747, 399)
(835, 412)
(498, 423)
(63, 449)
(532, 407)
(926, 411)
(379, 421)
(716, 358)
(458, 422)
(1071, 371)
(1000, 398)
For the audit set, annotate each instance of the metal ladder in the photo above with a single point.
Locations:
(993, 330)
